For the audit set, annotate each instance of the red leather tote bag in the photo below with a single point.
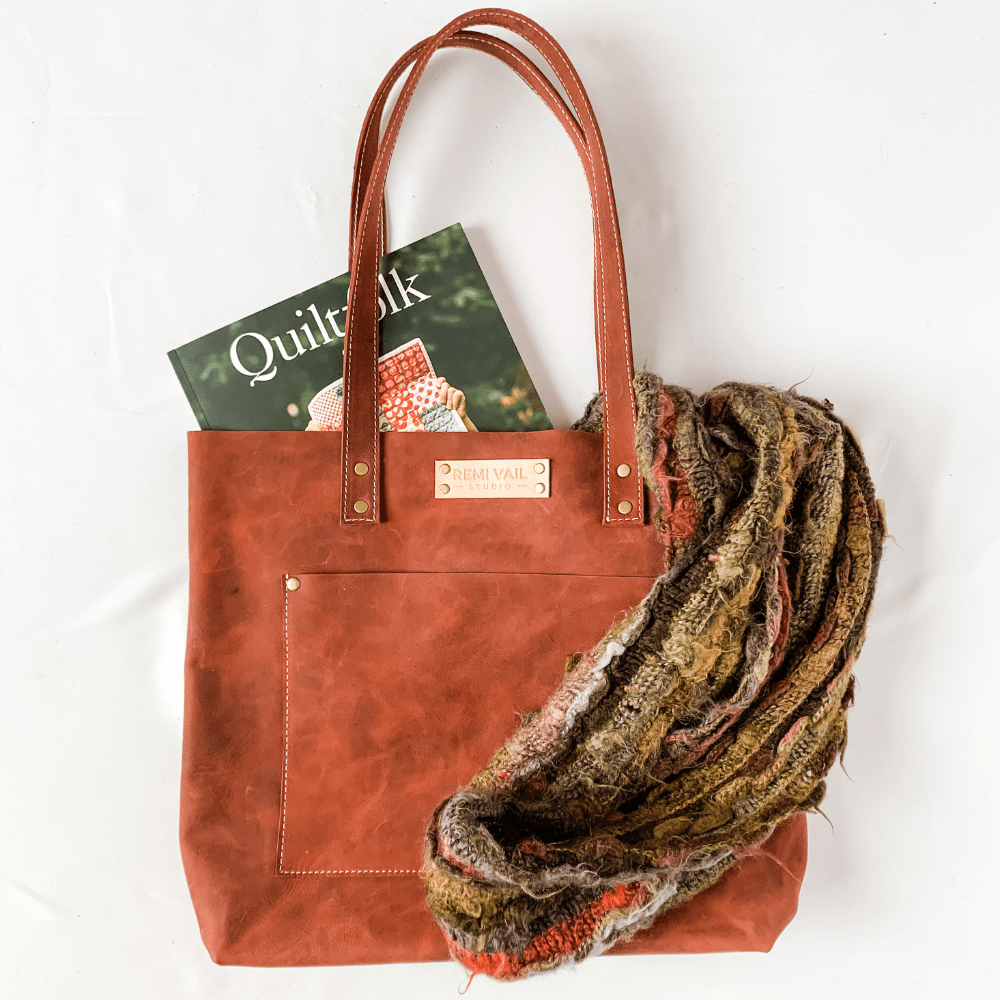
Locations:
(359, 647)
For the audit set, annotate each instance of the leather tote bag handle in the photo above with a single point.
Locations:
(368, 143)
(622, 494)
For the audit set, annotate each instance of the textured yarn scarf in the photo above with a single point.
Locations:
(711, 714)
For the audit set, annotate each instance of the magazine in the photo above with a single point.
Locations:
(447, 360)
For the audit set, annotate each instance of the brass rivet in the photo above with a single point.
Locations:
(624, 470)
(444, 488)
(362, 505)
(539, 467)
(539, 487)
(625, 507)
(361, 468)
(293, 583)
(444, 469)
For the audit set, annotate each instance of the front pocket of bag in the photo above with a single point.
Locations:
(399, 687)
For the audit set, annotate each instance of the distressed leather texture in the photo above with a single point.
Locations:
(400, 664)
(358, 789)
(323, 724)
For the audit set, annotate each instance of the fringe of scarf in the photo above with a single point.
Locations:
(711, 714)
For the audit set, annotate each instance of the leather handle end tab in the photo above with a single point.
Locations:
(360, 493)
(624, 496)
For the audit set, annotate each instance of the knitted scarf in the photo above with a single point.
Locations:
(695, 726)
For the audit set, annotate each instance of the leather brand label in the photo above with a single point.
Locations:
(500, 478)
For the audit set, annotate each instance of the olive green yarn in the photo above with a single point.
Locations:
(710, 714)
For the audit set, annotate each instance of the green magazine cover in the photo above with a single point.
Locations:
(442, 340)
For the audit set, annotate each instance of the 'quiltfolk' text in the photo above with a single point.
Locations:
(387, 303)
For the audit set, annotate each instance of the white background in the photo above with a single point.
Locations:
(808, 192)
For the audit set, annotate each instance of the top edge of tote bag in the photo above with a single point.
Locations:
(358, 647)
